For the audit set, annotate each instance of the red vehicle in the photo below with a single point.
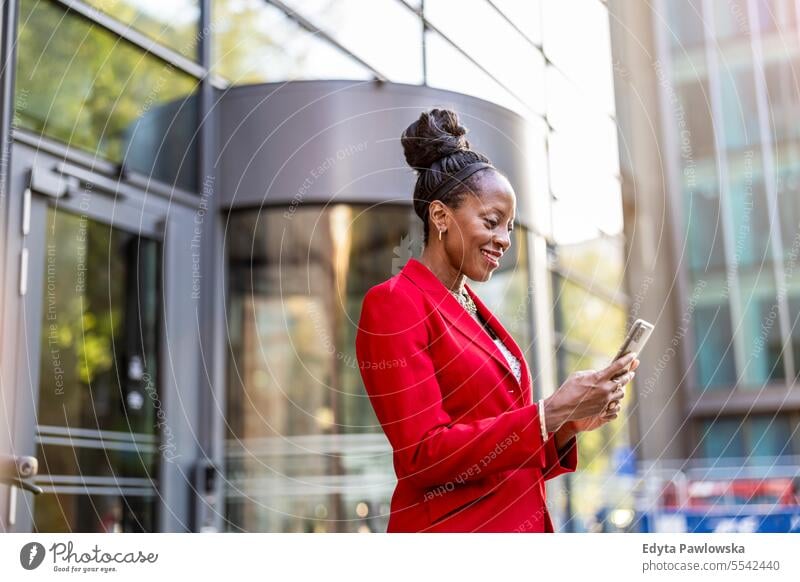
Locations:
(772, 491)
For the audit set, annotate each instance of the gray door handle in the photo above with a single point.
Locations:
(15, 471)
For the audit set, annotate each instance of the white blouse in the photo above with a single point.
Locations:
(512, 360)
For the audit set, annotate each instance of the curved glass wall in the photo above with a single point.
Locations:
(305, 452)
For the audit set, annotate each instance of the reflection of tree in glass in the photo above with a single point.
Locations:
(86, 341)
(239, 43)
(84, 86)
(174, 25)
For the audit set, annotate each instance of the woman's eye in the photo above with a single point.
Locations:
(491, 223)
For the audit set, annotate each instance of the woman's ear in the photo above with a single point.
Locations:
(440, 218)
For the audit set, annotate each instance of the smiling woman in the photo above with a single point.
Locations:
(471, 450)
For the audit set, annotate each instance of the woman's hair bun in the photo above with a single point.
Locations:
(435, 135)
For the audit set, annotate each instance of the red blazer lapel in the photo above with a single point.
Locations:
(458, 317)
(507, 339)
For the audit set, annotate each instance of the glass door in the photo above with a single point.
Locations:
(97, 417)
(88, 402)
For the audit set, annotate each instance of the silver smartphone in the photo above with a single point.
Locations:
(637, 336)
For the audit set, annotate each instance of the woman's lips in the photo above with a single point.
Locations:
(490, 258)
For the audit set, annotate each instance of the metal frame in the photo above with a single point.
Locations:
(101, 167)
(8, 251)
(209, 509)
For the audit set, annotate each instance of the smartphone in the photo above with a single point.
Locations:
(634, 342)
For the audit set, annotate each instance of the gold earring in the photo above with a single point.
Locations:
(440, 234)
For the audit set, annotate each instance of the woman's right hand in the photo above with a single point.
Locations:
(587, 393)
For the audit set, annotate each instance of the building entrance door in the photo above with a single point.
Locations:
(88, 399)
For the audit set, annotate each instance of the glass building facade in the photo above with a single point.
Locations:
(728, 78)
(115, 162)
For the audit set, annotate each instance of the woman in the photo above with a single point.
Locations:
(449, 385)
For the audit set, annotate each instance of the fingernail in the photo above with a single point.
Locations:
(633, 356)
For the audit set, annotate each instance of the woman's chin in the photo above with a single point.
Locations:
(483, 274)
(479, 272)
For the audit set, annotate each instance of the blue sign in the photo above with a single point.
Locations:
(728, 520)
(624, 461)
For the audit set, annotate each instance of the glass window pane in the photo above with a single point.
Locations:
(704, 223)
(788, 186)
(739, 113)
(98, 513)
(783, 83)
(255, 42)
(593, 149)
(392, 42)
(80, 457)
(98, 415)
(581, 47)
(450, 70)
(770, 436)
(722, 438)
(594, 192)
(527, 16)
(81, 85)
(489, 39)
(685, 23)
(567, 107)
(761, 332)
(794, 324)
(173, 24)
(571, 223)
(730, 19)
(715, 365)
(536, 167)
(99, 335)
(306, 452)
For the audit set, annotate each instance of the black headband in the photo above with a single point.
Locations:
(458, 178)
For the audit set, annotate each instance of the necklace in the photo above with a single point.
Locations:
(467, 303)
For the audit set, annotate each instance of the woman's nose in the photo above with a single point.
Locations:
(504, 240)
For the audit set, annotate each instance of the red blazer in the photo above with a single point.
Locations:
(466, 440)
